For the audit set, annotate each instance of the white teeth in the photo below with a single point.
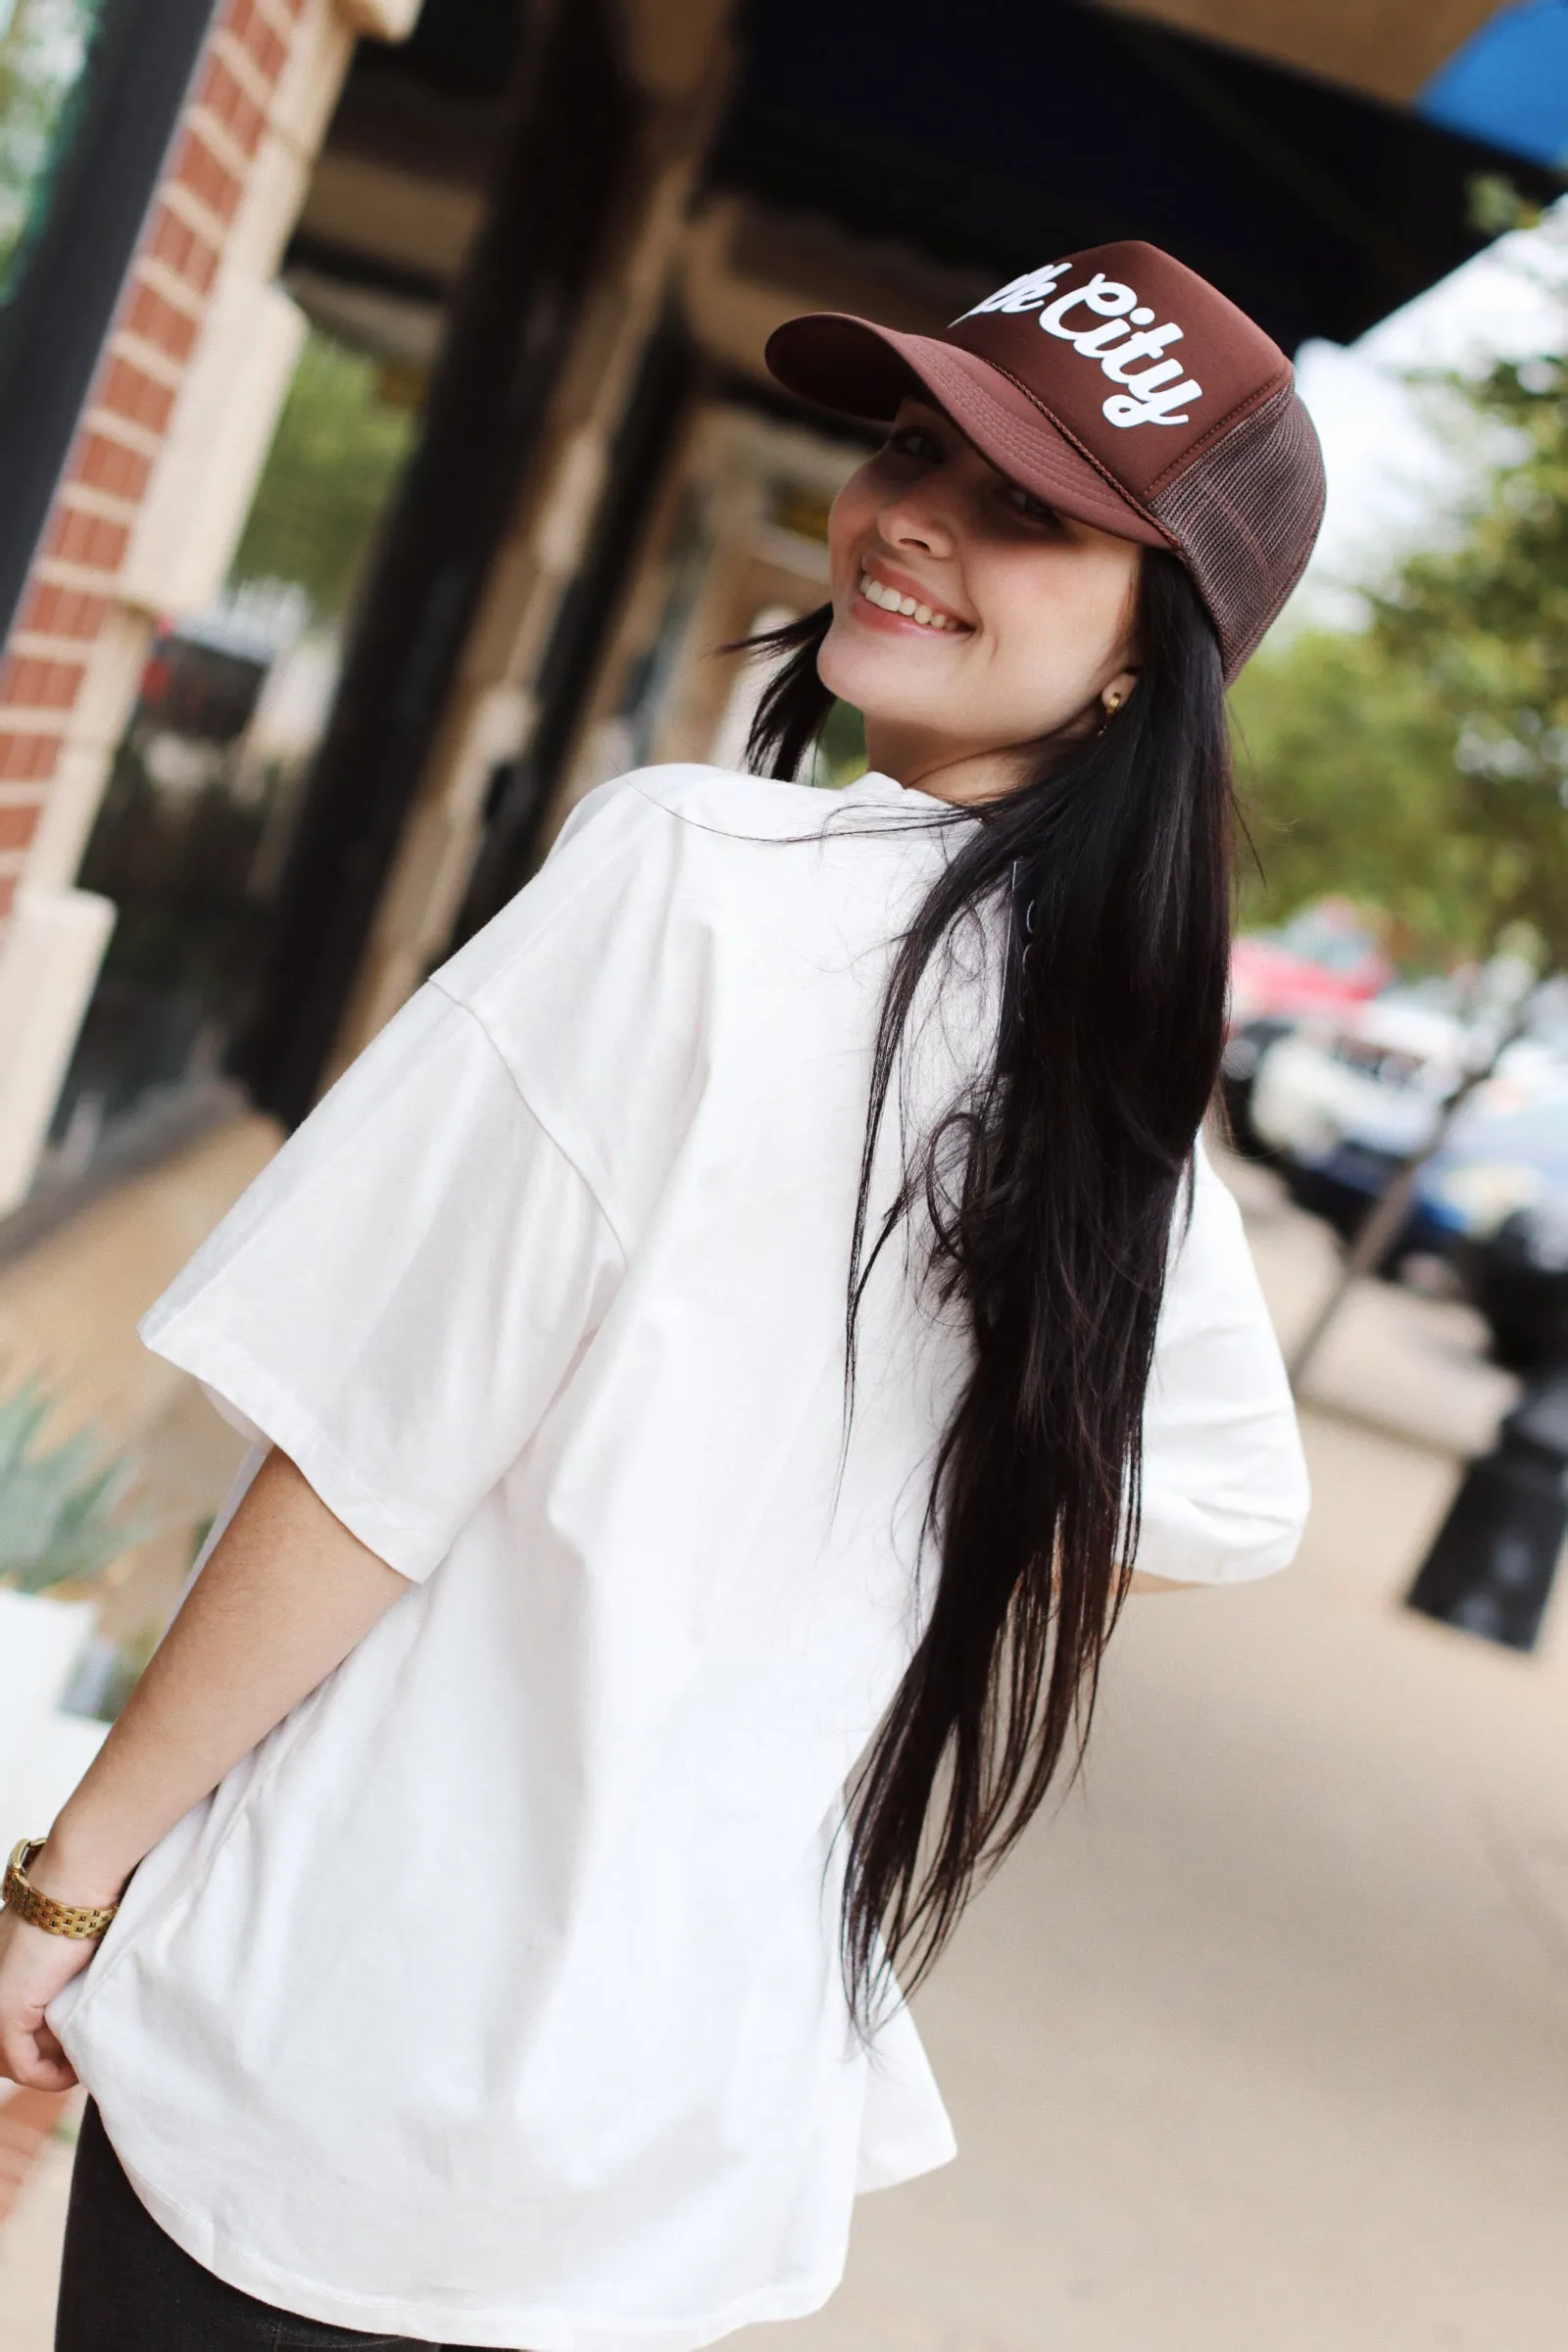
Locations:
(876, 593)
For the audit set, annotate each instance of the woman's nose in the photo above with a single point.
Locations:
(918, 518)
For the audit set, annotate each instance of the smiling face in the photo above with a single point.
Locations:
(969, 620)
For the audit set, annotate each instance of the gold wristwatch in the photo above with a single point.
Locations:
(79, 1920)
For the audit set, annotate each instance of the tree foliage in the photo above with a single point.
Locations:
(1422, 764)
(335, 456)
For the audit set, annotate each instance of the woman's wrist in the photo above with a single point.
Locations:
(69, 1868)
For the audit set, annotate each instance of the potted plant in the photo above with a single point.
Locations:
(62, 1518)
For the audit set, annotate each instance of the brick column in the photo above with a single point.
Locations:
(61, 628)
(153, 494)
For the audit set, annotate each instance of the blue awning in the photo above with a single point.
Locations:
(1509, 83)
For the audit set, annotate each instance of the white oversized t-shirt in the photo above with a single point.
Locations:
(495, 1998)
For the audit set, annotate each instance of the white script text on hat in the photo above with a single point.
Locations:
(1127, 331)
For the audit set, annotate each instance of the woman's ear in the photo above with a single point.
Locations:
(1116, 690)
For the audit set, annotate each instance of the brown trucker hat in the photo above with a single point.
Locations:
(1123, 388)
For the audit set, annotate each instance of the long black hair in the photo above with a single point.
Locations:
(1051, 1189)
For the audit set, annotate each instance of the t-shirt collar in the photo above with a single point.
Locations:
(875, 786)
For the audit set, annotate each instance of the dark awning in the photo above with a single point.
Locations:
(1003, 132)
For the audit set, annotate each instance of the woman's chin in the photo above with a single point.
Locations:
(884, 676)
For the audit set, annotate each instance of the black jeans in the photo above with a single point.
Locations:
(127, 2287)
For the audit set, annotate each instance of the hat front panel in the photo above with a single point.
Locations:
(1136, 356)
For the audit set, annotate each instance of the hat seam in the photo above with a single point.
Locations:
(1247, 405)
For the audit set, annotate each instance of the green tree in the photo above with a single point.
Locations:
(44, 48)
(1424, 762)
(335, 456)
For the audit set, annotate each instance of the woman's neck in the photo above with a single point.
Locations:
(945, 770)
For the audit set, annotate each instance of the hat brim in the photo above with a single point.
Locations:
(862, 369)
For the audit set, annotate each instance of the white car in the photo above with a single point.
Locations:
(1376, 1078)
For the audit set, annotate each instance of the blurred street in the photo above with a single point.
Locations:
(1262, 2043)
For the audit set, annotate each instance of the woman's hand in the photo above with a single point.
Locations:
(34, 1968)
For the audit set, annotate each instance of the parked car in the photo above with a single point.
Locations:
(1341, 1107)
(1322, 959)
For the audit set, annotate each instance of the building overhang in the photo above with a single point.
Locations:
(996, 135)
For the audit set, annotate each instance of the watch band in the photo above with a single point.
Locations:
(81, 1921)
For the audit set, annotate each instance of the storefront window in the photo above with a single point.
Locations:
(195, 825)
(44, 48)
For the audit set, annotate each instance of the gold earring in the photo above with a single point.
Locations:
(1112, 703)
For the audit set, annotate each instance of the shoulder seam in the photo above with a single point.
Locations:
(546, 1126)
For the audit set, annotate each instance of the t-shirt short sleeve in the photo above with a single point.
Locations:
(400, 1295)
(1224, 1491)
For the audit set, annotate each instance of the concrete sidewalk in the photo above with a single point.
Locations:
(1261, 2044)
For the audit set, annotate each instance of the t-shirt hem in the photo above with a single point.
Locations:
(521, 2328)
(913, 2164)
(1218, 1563)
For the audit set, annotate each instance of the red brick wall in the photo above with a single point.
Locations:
(73, 584)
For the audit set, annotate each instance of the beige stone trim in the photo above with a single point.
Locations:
(87, 578)
(216, 135)
(273, 195)
(195, 504)
(26, 718)
(109, 688)
(210, 226)
(307, 90)
(87, 501)
(178, 292)
(115, 427)
(47, 645)
(150, 358)
(383, 20)
(258, 86)
(283, 19)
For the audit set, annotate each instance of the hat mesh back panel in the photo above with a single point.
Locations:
(1244, 515)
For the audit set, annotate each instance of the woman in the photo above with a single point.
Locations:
(755, 1305)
